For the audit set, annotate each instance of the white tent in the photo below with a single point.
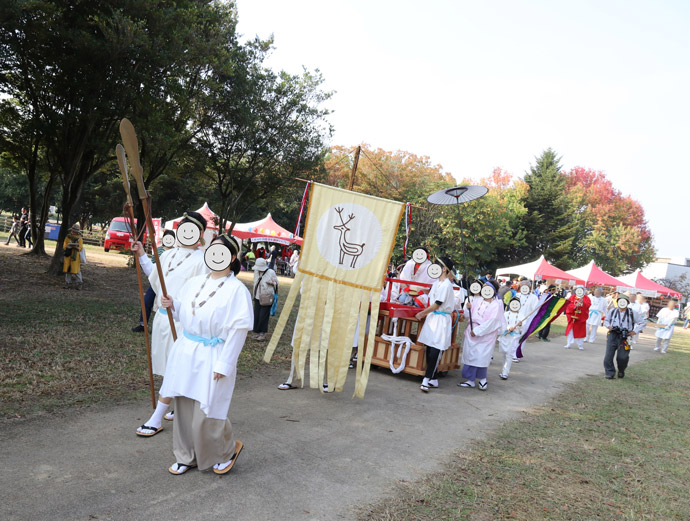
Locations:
(541, 269)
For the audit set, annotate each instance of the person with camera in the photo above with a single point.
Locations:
(623, 323)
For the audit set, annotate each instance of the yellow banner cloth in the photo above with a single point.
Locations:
(348, 242)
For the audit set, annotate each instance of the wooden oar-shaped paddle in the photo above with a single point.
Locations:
(129, 140)
(129, 214)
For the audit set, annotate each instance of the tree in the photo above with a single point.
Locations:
(610, 229)
(549, 221)
(75, 69)
(265, 129)
(681, 284)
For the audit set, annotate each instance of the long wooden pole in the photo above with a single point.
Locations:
(129, 139)
(358, 150)
(120, 152)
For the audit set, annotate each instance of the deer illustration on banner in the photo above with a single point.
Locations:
(347, 248)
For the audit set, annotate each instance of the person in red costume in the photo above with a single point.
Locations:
(577, 312)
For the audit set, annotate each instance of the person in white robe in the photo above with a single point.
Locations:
(487, 320)
(597, 312)
(642, 308)
(509, 339)
(437, 329)
(215, 312)
(414, 271)
(666, 322)
(178, 264)
(529, 303)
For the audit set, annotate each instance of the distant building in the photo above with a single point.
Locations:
(667, 268)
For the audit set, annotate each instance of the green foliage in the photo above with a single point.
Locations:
(264, 130)
(549, 222)
(14, 190)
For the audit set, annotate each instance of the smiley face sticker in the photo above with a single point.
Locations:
(514, 305)
(475, 288)
(434, 271)
(419, 256)
(623, 302)
(579, 292)
(217, 257)
(524, 289)
(488, 292)
(168, 240)
(188, 234)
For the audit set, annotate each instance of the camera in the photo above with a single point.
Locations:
(622, 332)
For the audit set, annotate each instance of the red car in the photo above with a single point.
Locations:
(118, 235)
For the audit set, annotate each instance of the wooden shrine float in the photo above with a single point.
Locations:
(397, 321)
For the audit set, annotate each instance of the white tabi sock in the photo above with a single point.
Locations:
(425, 381)
(157, 417)
(482, 381)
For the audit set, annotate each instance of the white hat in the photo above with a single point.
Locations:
(260, 265)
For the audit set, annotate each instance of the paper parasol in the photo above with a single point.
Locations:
(456, 196)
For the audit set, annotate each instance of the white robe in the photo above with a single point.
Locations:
(422, 276)
(508, 342)
(666, 317)
(528, 304)
(597, 310)
(488, 319)
(227, 315)
(161, 335)
(438, 327)
(642, 309)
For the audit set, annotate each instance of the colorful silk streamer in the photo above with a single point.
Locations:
(408, 226)
(301, 209)
(550, 309)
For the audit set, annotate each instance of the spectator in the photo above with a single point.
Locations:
(293, 262)
(72, 264)
(273, 257)
(23, 223)
(27, 235)
(14, 231)
(265, 287)
(686, 312)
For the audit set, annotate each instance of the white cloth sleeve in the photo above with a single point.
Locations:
(146, 264)
(639, 321)
(177, 304)
(609, 316)
(231, 350)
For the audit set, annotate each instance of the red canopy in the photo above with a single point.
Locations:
(265, 230)
(595, 276)
(540, 267)
(638, 281)
(208, 214)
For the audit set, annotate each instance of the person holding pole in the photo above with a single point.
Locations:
(215, 313)
(179, 264)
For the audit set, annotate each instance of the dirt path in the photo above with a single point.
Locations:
(307, 456)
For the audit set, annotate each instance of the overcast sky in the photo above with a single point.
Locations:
(476, 85)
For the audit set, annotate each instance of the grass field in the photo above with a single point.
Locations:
(604, 450)
(66, 348)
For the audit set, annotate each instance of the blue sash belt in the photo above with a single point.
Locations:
(206, 341)
(593, 311)
(440, 313)
(163, 311)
